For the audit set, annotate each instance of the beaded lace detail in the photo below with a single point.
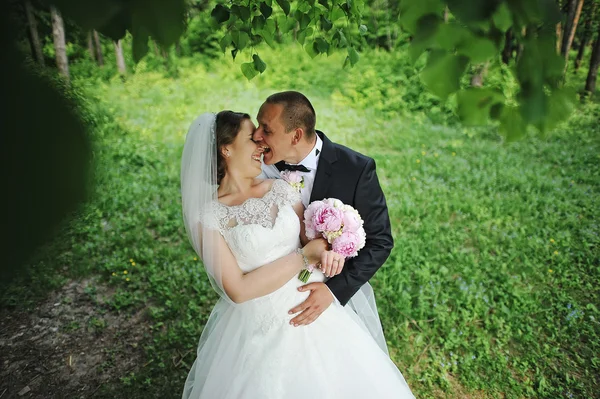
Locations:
(259, 211)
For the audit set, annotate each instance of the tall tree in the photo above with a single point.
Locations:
(588, 32)
(98, 45)
(33, 34)
(508, 46)
(590, 83)
(573, 15)
(120, 59)
(90, 45)
(58, 31)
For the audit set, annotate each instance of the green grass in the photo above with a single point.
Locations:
(491, 289)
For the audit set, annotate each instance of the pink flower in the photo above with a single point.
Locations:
(347, 244)
(311, 234)
(327, 218)
(308, 218)
(292, 177)
(352, 221)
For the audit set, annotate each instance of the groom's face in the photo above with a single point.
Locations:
(271, 133)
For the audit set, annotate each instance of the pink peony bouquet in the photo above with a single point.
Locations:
(340, 224)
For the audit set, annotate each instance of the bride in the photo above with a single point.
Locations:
(249, 234)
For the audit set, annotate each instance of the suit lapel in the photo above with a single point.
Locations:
(323, 177)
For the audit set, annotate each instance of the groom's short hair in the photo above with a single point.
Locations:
(297, 111)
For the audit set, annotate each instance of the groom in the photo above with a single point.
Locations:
(287, 128)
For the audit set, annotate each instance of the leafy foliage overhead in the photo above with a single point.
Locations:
(453, 33)
(475, 33)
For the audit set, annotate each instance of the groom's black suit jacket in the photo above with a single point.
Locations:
(350, 177)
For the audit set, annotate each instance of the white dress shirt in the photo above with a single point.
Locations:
(311, 161)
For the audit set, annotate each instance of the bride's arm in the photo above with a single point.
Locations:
(299, 208)
(241, 287)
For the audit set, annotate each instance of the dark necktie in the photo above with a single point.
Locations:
(281, 166)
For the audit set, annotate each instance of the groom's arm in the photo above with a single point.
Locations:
(370, 203)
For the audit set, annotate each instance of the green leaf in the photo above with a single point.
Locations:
(242, 12)
(268, 38)
(362, 30)
(225, 42)
(301, 37)
(502, 18)
(474, 105)
(164, 21)
(285, 6)
(270, 26)
(321, 45)
(258, 22)
(340, 37)
(326, 24)
(442, 73)
(311, 49)
(303, 19)
(353, 56)
(449, 35)
(259, 64)
(412, 10)
(561, 104)
(265, 10)
(240, 39)
(478, 49)
(285, 24)
(424, 38)
(248, 70)
(91, 14)
(220, 13)
(512, 126)
(325, 3)
(473, 11)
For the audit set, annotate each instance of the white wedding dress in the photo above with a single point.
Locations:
(250, 351)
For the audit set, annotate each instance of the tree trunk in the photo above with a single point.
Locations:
(570, 26)
(90, 45)
(33, 34)
(98, 45)
(587, 35)
(477, 79)
(120, 58)
(388, 31)
(508, 47)
(590, 83)
(559, 33)
(156, 51)
(446, 13)
(58, 32)
(585, 40)
(178, 48)
(520, 43)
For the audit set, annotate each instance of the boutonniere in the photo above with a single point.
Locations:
(294, 179)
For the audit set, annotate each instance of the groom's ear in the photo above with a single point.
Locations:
(298, 135)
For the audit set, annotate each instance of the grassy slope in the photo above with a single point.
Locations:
(491, 288)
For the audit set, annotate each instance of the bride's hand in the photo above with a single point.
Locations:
(332, 263)
(315, 249)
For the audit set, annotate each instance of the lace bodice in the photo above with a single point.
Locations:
(259, 230)
(262, 211)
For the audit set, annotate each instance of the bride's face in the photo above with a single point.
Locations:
(243, 155)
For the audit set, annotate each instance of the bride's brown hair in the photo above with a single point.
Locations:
(227, 129)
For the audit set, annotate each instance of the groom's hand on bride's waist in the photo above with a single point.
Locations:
(317, 302)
